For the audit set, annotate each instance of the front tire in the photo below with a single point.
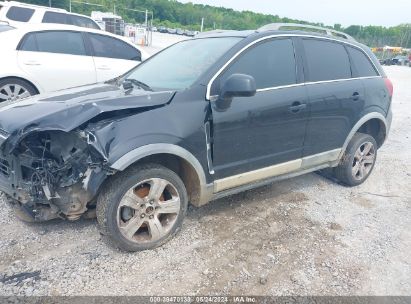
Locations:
(142, 207)
(15, 89)
(358, 160)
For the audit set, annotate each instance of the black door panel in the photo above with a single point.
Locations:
(335, 108)
(259, 131)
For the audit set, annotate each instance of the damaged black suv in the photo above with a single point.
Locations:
(203, 119)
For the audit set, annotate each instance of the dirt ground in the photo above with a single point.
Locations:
(303, 236)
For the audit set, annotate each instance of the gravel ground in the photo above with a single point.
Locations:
(303, 236)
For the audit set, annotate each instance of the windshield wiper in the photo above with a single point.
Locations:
(139, 84)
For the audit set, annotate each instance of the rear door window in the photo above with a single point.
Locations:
(53, 17)
(21, 14)
(271, 63)
(110, 47)
(61, 42)
(362, 66)
(326, 60)
(82, 21)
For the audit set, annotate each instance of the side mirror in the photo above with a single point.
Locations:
(238, 85)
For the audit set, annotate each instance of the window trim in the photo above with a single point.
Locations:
(293, 44)
(216, 75)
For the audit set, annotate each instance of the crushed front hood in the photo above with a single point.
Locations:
(66, 110)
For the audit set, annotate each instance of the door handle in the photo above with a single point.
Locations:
(103, 67)
(32, 62)
(355, 96)
(297, 107)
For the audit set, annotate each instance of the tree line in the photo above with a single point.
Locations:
(171, 13)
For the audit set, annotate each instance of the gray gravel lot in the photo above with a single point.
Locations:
(303, 236)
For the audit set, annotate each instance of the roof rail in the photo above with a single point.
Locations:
(305, 27)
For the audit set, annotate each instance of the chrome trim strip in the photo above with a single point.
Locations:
(313, 82)
(325, 159)
(208, 147)
(320, 158)
(208, 93)
(252, 176)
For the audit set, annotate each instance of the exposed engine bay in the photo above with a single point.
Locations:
(56, 175)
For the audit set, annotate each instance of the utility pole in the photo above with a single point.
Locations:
(70, 6)
(202, 24)
(146, 21)
(49, 3)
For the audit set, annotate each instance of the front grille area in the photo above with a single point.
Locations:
(4, 167)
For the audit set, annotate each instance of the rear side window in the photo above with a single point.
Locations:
(61, 42)
(271, 63)
(362, 66)
(52, 17)
(110, 47)
(82, 21)
(20, 14)
(326, 60)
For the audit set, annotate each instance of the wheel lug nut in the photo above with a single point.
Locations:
(151, 217)
(143, 215)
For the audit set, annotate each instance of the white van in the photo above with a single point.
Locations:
(17, 13)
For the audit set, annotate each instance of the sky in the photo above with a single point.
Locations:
(329, 12)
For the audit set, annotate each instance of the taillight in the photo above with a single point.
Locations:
(389, 86)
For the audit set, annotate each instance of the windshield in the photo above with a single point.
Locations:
(179, 66)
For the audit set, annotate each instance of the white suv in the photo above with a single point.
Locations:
(17, 14)
(43, 58)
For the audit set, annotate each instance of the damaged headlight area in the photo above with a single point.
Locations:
(53, 174)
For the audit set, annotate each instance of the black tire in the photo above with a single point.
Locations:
(25, 85)
(110, 212)
(345, 170)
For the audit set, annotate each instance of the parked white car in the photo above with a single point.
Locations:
(17, 14)
(44, 58)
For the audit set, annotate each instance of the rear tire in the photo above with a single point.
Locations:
(142, 207)
(15, 89)
(358, 160)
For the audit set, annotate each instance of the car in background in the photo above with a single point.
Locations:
(400, 60)
(44, 58)
(180, 32)
(172, 31)
(17, 14)
(162, 29)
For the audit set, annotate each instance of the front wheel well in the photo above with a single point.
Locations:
(182, 168)
(376, 128)
(22, 79)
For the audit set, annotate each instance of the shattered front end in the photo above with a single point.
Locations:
(51, 174)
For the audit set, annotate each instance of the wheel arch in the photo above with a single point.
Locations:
(177, 159)
(34, 85)
(374, 124)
